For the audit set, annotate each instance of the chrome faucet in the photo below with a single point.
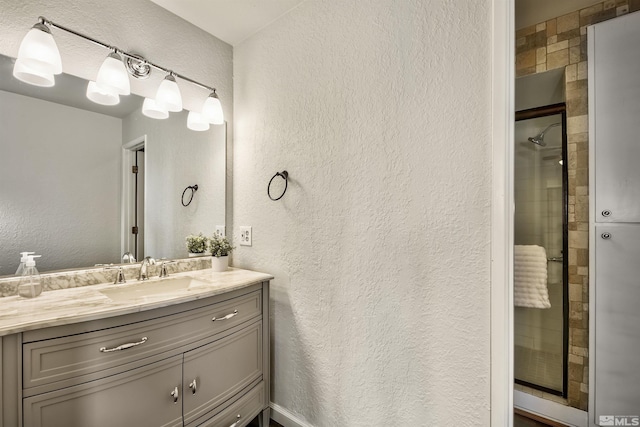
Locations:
(128, 258)
(119, 275)
(163, 267)
(144, 268)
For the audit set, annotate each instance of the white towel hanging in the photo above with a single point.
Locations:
(530, 277)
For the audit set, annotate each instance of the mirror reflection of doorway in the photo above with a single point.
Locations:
(133, 200)
(540, 236)
(138, 225)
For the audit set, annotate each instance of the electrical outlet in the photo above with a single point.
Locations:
(245, 235)
(220, 231)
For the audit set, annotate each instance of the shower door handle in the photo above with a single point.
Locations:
(556, 259)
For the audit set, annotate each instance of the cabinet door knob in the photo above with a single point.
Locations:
(193, 386)
(175, 395)
(237, 421)
(605, 236)
(606, 212)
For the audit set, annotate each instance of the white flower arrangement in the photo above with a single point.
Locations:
(220, 246)
(196, 244)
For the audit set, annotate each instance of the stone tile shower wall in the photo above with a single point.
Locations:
(561, 42)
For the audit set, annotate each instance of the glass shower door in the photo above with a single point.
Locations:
(541, 222)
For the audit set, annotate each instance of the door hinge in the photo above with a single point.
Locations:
(134, 230)
(134, 169)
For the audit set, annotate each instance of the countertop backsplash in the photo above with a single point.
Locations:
(95, 275)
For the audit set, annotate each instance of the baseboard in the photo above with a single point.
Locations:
(550, 410)
(285, 417)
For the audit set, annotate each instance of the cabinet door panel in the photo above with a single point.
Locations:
(617, 320)
(221, 370)
(141, 397)
(615, 112)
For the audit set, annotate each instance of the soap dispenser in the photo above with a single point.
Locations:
(30, 285)
(23, 260)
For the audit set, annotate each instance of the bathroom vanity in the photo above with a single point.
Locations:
(190, 350)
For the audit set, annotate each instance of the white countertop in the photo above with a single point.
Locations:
(75, 305)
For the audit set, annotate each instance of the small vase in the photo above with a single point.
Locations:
(220, 263)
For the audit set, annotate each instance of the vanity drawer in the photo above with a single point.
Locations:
(73, 359)
(220, 370)
(247, 407)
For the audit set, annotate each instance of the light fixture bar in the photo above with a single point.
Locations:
(44, 20)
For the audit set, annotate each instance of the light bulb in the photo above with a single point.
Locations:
(33, 77)
(212, 109)
(196, 122)
(150, 108)
(101, 96)
(168, 95)
(39, 52)
(113, 76)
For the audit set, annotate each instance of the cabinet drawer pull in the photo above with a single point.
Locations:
(237, 421)
(606, 236)
(175, 395)
(123, 346)
(193, 386)
(227, 317)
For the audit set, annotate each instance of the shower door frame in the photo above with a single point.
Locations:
(534, 113)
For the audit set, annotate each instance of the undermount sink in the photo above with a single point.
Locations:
(151, 289)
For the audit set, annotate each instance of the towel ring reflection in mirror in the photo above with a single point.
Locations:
(193, 189)
(284, 175)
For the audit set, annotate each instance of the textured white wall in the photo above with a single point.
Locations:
(176, 157)
(380, 111)
(58, 184)
(136, 26)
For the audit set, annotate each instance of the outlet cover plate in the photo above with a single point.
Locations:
(245, 235)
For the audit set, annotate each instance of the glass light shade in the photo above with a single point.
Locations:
(98, 95)
(33, 77)
(112, 75)
(212, 110)
(150, 108)
(168, 95)
(196, 122)
(39, 52)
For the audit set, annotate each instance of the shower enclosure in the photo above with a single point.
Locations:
(541, 218)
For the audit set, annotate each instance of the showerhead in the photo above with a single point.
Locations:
(539, 138)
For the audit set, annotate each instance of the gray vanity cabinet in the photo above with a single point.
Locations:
(203, 362)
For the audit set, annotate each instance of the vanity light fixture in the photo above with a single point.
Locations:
(38, 57)
(168, 95)
(39, 60)
(99, 95)
(31, 76)
(112, 75)
(151, 109)
(195, 121)
(212, 109)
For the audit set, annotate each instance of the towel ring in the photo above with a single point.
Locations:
(285, 176)
(193, 189)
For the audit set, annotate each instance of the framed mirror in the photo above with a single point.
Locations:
(67, 189)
